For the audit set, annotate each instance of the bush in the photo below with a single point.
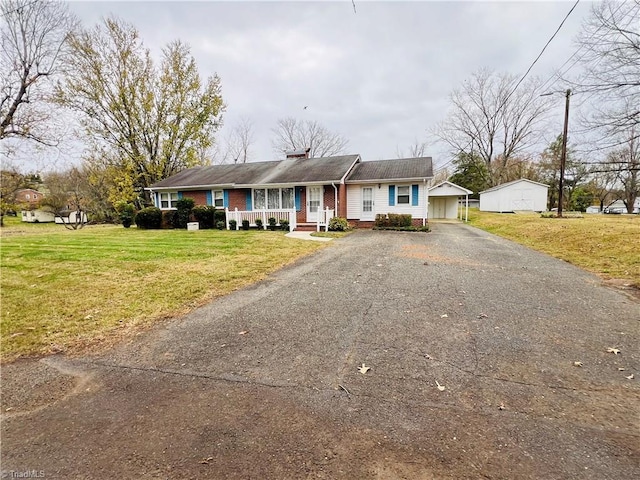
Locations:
(233, 224)
(220, 216)
(272, 223)
(221, 225)
(126, 213)
(338, 224)
(183, 212)
(393, 220)
(149, 218)
(204, 215)
(422, 228)
(284, 224)
(168, 218)
(259, 222)
(245, 224)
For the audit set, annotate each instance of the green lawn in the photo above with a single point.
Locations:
(66, 290)
(608, 245)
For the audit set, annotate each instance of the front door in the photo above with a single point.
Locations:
(367, 204)
(314, 203)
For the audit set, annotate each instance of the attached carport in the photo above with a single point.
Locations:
(444, 199)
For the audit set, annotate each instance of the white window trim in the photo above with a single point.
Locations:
(266, 198)
(170, 201)
(213, 198)
(408, 195)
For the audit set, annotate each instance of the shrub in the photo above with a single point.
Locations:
(204, 215)
(259, 222)
(284, 224)
(168, 218)
(245, 224)
(233, 224)
(272, 223)
(126, 213)
(338, 224)
(150, 218)
(220, 216)
(221, 225)
(183, 212)
(393, 220)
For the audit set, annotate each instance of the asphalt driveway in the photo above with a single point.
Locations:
(472, 343)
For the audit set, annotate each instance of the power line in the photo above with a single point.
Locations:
(17, 9)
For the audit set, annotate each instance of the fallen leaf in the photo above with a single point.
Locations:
(244, 332)
(88, 317)
(440, 387)
(427, 356)
(363, 369)
(206, 461)
(577, 364)
(621, 369)
(444, 315)
(483, 315)
(615, 351)
(501, 406)
(8, 409)
(630, 377)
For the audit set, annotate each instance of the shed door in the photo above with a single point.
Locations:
(367, 204)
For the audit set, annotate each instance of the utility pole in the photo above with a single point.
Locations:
(563, 157)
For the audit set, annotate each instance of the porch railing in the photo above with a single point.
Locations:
(323, 219)
(264, 215)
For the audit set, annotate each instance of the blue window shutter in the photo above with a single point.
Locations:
(225, 198)
(179, 195)
(392, 195)
(298, 195)
(414, 195)
(249, 201)
(209, 198)
(158, 199)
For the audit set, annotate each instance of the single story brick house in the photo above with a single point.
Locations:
(309, 190)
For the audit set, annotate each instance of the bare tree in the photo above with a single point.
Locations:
(34, 38)
(237, 143)
(416, 149)
(625, 162)
(67, 198)
(611, 41)
(292, 134)
(494, 120)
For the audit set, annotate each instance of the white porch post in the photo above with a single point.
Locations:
(466, 218)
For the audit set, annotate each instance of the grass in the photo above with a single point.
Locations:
(66, 290)
(607, 245)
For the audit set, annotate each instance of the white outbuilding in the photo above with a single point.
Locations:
(444, 199)
(519, 195)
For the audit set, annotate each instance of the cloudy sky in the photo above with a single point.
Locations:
(380, 76)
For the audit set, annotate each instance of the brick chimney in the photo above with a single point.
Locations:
(300, 153)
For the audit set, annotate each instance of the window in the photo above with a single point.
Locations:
(273, 198)
(288, 198)
(218, 198)
(403, 195)
(168, 200)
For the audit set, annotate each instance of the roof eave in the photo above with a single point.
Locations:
(389, 180)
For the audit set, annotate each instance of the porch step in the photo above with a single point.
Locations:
(306, 227)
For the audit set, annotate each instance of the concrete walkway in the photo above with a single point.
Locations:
(302, 235)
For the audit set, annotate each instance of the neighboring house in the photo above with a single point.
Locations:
(29, 197)
(444, 199)
(519, 195)
(619, 207)
(37, 216)
(307, 189)
(71, 216)
(593, 209)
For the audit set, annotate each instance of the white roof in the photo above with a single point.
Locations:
(503, 185)
(450, 189)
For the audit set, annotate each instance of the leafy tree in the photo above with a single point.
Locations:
(148, 121)
(34, 41)
(581, 198)
(492, 118)
(10, 182)
(291, 134)
(470, 172)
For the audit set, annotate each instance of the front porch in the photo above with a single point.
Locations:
(262, 217)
